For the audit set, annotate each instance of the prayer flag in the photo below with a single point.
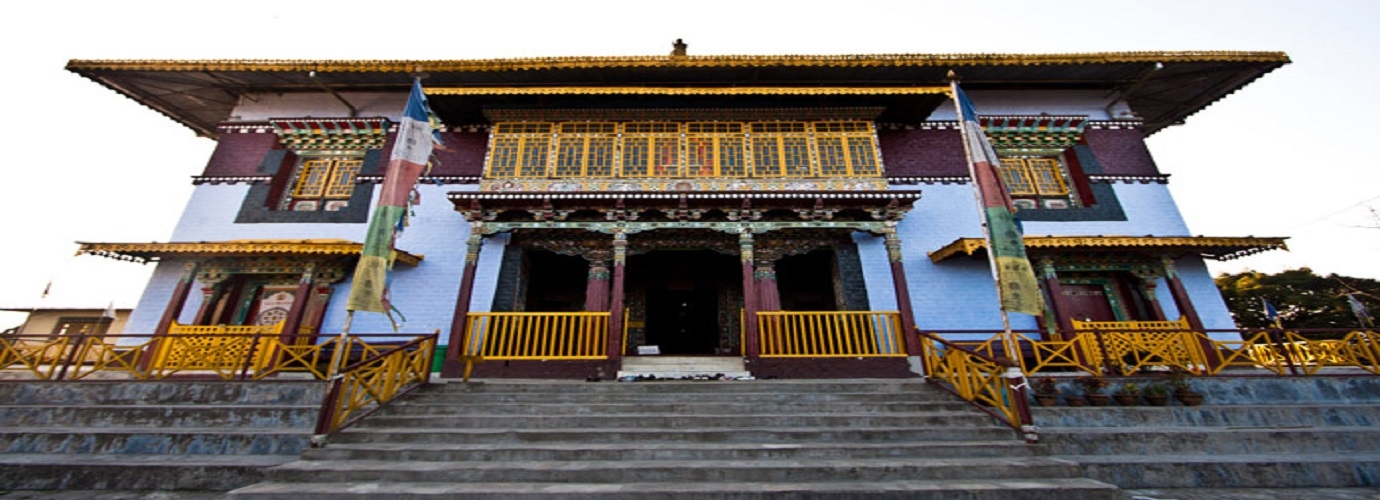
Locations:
(1359, 309)
(417, 135)
(1018, 289)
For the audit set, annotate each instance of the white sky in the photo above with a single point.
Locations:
(1283, 157)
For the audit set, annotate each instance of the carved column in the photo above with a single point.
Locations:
(1058, 302)
(178, 299)
(620, 257)
(1180, 294)
(898, 280)
(210, 294)
(1148, 287)
(292, 325)
(171, 312)
(768, 295)
(597, 287)
(1185, 305)
(751, 345)
(451, 367)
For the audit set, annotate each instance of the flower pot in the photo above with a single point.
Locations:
(1099, 399)
(1046, 399)
(1075, 400)
(1157, 400)
(1189, 398)
(1127, 399)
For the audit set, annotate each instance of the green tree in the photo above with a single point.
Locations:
(1303, 299)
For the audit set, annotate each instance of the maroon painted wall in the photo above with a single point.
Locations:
(239, 154)
(911, 153)
(1120, 151)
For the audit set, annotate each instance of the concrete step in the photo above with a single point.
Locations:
(1182, 440)
(578, 397)
(461, 452)
(986, 489)
(417, 408)
(413, 435)
(1209, 416)
(132, 472)
(181, 392)
(673, 470)
(683, 387)
(1234, 471)
(209, 415)
(154, 441)
(679, 421)
(676, 367)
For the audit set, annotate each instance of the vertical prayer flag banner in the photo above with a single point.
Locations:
(1019, 291)
(411, 151)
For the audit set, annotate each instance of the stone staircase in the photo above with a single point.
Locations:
(676, 367)
(723, 439)
(168, 435)
(1316, 432)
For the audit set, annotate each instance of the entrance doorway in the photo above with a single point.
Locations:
(683, 322)
(685, 302)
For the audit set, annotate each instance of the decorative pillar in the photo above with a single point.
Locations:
(451, 367)
(768, 295)
(1148, 287)
(751, 344)
(597, 287)
(620, 257)
(170, 313)
(1181, 300)
(1058, 302)
(178, 299)
(292, 324)
(1180, 294)
(898, 280)
(210, 294)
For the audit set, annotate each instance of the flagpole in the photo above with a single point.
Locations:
(1007, 338)
(342, 345)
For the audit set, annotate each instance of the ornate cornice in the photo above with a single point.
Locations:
(1219, 248)
(711, 61)
(1129, 179)
(230, 179)
(684, 114)
(331, 133)
(145, 252)
(684, 91)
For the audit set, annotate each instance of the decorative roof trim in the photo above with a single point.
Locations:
(1219, 248)
(677, 91)
(331, 133)
(578, 62)
(948, 179)
(230, 179)
(678, 114)
(798, 195)
(436, 179)
(146, 252)
(1129, 179)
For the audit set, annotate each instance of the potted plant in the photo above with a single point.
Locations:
(1183, 389)
(1128, 394)
(1157, 395)
(1046, 391)
(1092, 390)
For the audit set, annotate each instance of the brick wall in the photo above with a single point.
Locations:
(1121, 151)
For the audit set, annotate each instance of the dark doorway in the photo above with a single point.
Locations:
(555, 283)
(806, 282)
(683, 322)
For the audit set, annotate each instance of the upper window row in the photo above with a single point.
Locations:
(675, 149)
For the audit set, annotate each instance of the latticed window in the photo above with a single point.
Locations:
(678, 150)
(585, 149)
(781, 149)
(321, 179)
(520, 150)
(715, 149)
(1033, 177)
(651, 149)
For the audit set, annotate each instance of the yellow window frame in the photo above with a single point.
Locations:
(520, 149)
(1033, 177)
(327, 178)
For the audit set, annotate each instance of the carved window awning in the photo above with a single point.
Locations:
(308, 134)
(1218, 248)
(146, 252)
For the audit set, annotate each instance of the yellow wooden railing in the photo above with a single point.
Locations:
(1135, 345)
(373, 381)
(830, 334)
(980, 379)
(537, 335)
(222, 349)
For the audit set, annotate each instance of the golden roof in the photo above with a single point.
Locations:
(1219, 248)
(145, 252)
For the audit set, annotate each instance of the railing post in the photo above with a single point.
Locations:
(1017, 388)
